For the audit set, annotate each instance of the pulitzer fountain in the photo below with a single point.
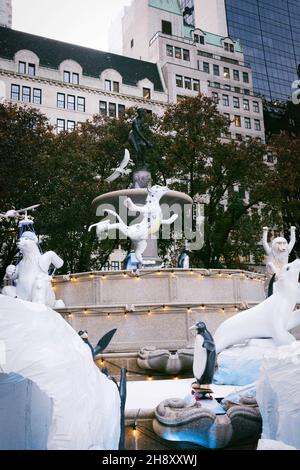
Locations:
(150, 312)
(142, 198)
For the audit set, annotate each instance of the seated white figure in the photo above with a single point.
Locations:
(30, 276)
(279, 250)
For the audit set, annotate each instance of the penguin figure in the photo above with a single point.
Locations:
(204, 358)
(184, 260)
(102, 343)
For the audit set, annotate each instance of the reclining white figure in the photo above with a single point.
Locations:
(273, 318)
(32, 282)
(152, 220)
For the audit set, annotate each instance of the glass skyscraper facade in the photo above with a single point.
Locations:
(269, 31)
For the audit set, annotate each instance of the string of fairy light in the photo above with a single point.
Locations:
(103, 361)
(137, 429)
(157, 309)
(163, 307)
(137, 275)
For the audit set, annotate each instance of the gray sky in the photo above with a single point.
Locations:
(84, 22)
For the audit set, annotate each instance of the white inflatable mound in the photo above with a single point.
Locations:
(39, 347)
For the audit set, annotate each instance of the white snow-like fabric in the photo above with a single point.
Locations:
(268, 444)
(38, 344)
(278, 395)
(240, 365)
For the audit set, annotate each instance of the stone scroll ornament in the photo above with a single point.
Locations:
(30, 277)
(150, 224)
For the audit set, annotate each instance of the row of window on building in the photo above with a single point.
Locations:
(237, 120)
(63, 125)
(236, 102)
(178, 52)
(111, 109)
(26, 94)
(70, 102)
(166, 28)
(26, 68)
(226, 72)
(188, 83)
(207, 67)
(227, 87)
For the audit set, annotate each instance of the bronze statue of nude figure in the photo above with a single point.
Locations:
(138, 140)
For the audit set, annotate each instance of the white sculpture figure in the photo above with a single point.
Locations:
(121, 168)
(152, 220)
(273, 318)
(278, 252)
(31, 275)
(17, 214)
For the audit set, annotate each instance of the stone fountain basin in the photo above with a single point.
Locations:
(138, 196)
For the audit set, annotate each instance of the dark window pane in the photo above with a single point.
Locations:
(71, 126)
(61, 100)
(81, 104)
(256, 106)
(246, 105)
(37, 96)
(31, 70)
(22, 67)
(179, 81)
(236, 75)
(67, 77)
(146, 93)
(116, 87)
(26, 94)
(169, 50)
(257, 125)
(247, 123)
(15, 92)
(112, 110)
(245, 77)
(103, 108)
(236, 102)
(71, 102)
(206, 67)
(121, 110)
(216, 70)
(166, 27)
(187, 83)
(60, 125)
(237, 121)
(225, 100)
(178, 53)
(186, 54)
(226, 72)
(196, 85)
(75, 78)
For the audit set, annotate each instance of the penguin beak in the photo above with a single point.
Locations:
(193, 327)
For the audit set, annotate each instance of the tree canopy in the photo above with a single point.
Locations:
(65, 172)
